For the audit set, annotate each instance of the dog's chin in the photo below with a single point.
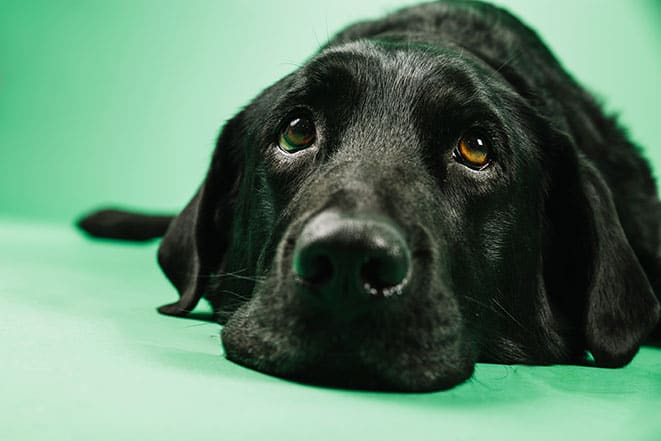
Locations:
(360, 357)
(395, 377)
(352, 373)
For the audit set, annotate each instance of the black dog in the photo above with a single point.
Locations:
(430, 190)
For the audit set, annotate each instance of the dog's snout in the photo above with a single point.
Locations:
(351, 256)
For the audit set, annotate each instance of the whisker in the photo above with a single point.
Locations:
(500, 311)
(515, 54)
(477, 302)
(291, 63)
(236, 294)
(234, 274)
(508, 314)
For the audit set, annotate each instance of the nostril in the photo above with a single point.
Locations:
(316, 269)
(384, 275)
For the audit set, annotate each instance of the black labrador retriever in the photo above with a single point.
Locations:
(429, 190)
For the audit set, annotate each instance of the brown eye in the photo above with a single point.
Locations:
(299, 134)
(473, 150)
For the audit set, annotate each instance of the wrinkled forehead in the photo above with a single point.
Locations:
(402, 74)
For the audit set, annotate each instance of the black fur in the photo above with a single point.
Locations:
(549, 252)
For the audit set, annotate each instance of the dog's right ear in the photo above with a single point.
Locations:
(196, 241)
(592, 271)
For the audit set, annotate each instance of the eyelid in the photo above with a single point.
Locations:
(297, 111)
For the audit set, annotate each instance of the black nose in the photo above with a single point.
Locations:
(351, 256)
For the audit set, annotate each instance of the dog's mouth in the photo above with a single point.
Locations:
(358, 354)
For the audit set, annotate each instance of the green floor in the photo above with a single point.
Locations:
(84, 356)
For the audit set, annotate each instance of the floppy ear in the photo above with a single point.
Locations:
(197, 239)
(596, 276)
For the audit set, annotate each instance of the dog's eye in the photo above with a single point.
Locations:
(300, 133)
(473, 150)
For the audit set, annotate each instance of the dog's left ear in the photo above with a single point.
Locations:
(595, 273)
(196, 240)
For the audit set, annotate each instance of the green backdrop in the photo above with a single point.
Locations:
(119, 102)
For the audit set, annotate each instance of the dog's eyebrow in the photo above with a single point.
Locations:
(338, 70)
(328, 80)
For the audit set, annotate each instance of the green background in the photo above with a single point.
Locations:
(120, 102)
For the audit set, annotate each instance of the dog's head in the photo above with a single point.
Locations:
(389, 214)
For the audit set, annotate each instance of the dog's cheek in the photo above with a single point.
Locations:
(267, 334)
